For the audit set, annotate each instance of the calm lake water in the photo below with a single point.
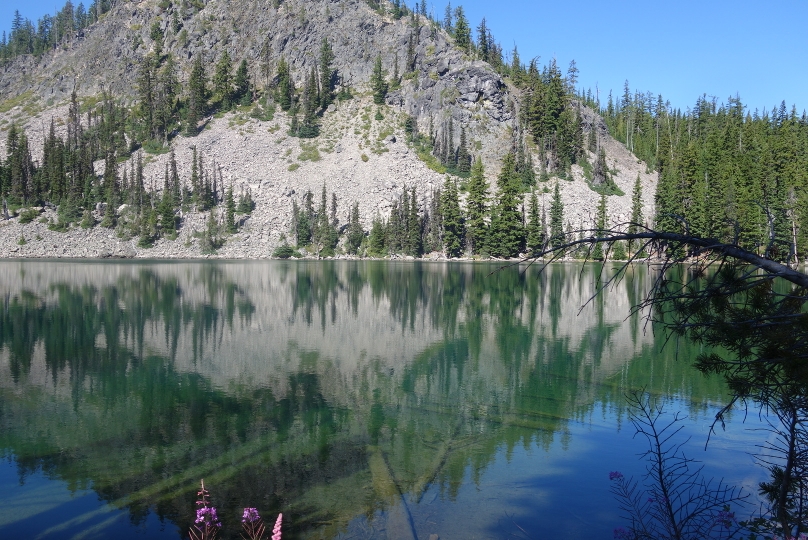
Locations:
(361, 399)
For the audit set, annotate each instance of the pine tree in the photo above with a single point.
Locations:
(452, 219)
(447, 18)
(111, 191)
(482, 42)
(394, 230)
(476, 209)
(285, 90)
(306, 223)
(327, 74)
(222, 80)
(376, 240)
(556, 219)
(197, 96)
(600, 227)
(355, 232)
(463, 156)
(636, 213)
(321, 230)
(462, 31)
(230, 211)
(167, 217)
(414, 243)
(377, 82)
(434, 224)
(241, 82)
(506, 236)
(535, 231)
(308, 127)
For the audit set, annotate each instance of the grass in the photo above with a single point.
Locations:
(25, 100)
(309, 152)
(293, 167)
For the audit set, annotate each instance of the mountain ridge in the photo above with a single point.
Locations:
(447, 84)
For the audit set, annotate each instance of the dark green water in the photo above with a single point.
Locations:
(361, 399)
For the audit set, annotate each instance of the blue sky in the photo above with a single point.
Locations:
(679, 49)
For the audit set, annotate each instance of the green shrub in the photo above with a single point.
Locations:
(28, 215)
(283, 252)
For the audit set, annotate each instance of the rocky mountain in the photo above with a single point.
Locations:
(361, 154)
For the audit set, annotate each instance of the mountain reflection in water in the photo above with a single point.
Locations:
(361, 399)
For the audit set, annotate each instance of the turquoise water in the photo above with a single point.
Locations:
(361, 399)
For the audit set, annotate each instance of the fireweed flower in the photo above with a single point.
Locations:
(207, 514)
(615, 475)
(250, 515)
(276, 530)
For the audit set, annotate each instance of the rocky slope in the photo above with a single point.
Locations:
(357, 157)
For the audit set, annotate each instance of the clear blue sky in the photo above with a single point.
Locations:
(679, 49)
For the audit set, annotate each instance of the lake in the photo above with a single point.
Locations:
(363, 399)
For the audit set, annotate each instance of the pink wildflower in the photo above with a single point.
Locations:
(276, 530)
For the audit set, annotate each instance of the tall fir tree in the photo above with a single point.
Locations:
(557, 219)
(197, 96)
(636, 221)
(477, 209)
(327, 74)
(600, 227)
(452, 218)
(355, 232)
(535, 229)
(222, 82)
(378, 84)
(506, 236)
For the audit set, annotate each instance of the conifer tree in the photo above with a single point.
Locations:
(378, 84)
(195, 184)
(241, 82)
(230, 211)
(285, 90)
(462, 31)
(535, 231)
(376, 240)
(414, 226)
(476, 208)
(327, 74)
(197, 96)
(506, 235)
(393, 230)
(600, 227)
(452, 219)
(447, 18)
(636, 212)
(167, 218)
(355, 232)
(482, 41)
(306, 222)
(308, 127)
(434, 224)
(556, 219)
(222, 81)
(463, 156)
(410, 65)
(111, 191)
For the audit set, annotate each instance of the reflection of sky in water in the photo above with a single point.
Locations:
(563, 490)
(39, 507)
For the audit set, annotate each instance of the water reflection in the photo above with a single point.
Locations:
(356, 397)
